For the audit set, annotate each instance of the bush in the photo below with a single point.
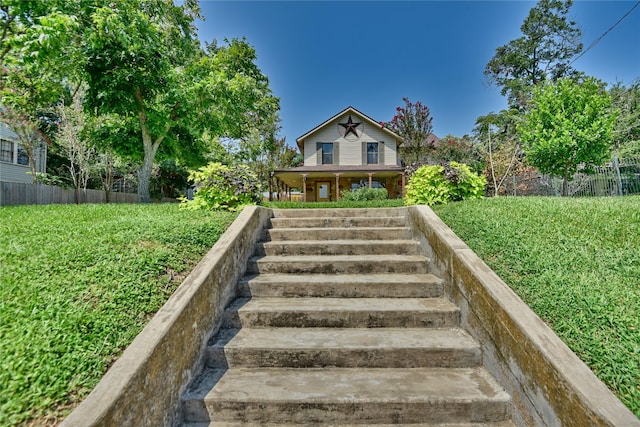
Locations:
(439, 184)
(221, 187)
(364, 193)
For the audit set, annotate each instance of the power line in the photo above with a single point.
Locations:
(595, 42)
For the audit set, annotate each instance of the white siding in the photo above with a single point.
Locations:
(350, 149)
(13, 172)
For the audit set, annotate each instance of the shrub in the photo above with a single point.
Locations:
(439, 184)
(221, 187)
(364, 193)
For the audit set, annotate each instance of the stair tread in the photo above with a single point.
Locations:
(345, 385)
(342, 242)
(346, 338)
(330, 424)
(339, 258)
(390, 278)
(294, 229)
(278, 304)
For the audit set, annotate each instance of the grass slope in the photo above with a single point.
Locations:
(576, 262)
(77, 284)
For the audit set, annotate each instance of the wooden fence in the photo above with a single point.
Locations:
(17, 193)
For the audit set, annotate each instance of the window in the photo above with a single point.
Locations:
(327, 153)
(372, 153)
(23, 159)
(6, 151)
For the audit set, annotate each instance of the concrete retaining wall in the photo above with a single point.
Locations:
(549, 384)
(143, 387)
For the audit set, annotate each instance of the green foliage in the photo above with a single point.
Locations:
(575, 263)
(169, 180)
(439, 184)
(77, 284)
(460, 150)
(626, 100)
(221, 187)
(544, 52)
(569, 126)
(364, 193)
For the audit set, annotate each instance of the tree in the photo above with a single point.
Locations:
(72, 137)
(503, 154)
(626, 100)
(414, 124)
(544, 52)
(570, 126)
(37, 63)
(144, 61)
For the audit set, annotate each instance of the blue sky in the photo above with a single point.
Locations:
(322, 57)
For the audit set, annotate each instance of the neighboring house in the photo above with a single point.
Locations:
(346, 152)
(14, 162)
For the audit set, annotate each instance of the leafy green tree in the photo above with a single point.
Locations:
(414, 124)
(626, 100)
(144, 62)
(544, 51)
(570, 126)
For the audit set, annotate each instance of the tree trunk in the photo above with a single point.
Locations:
(144, 173)
(565, 184)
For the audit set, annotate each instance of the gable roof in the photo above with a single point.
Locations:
(348, 110)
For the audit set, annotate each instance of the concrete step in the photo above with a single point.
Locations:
(343, 395)
(341, 313)
(343, 222)
(342, 285)
(344, 348)
(340, 213)
(338, 247)
(334, 233)
(333, 424)
(339, 264)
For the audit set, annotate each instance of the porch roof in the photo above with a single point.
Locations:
(293, 176)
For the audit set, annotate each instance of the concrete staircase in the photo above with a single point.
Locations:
(339, 322)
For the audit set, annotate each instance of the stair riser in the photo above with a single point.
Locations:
(338, 290)
(218, 357)
(365, 413)
(337, 248)
(336, 267)
(338, 222)
(292, 234)
(341, 319)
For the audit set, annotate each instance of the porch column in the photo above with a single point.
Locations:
(370, 180)
(403, 186)
(337, 187)
(271, 186)
(304, 188)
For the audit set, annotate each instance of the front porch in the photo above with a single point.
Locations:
(326, 183)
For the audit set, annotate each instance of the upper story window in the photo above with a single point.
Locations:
(372, 153)
(23, 158)
(327, 153)
(11, 152)
(6, 151)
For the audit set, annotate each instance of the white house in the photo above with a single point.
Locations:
(347, 151)
(14, 162)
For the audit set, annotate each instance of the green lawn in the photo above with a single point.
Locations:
(77, 284)
(576, 262)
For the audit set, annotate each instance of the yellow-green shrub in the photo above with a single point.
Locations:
(439, 184)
